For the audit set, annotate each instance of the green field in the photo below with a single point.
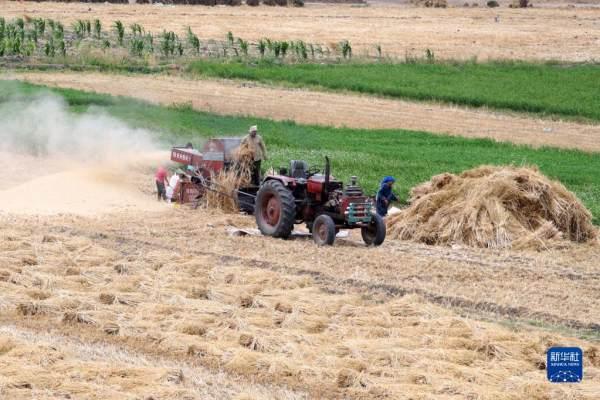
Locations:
(412, 157)
(572, 91)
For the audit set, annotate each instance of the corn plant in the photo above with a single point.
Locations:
(149, 43)
(21, 34)
(20, 23)
(97, 29)
(378, 48)
(429, 56)
(52, 25)
(193, 40)
(88, 27)
(167, 44)
(312, 50)
(2, 48)
(106, 44)
(346, 49)
(59, 31)
(7, 46)
(120, 29)
(11, 31)
(62, 48)
(40, 26)
(262, 46)
(284, 48)
(32, 35)
(14, 45)
(243, 46)
(276, 46)
(49, 48)
(230, 38)
(14, 31)
(300, 49)
(137, 30)
(137, 47)
(179, 48)
(2, 28)
(79, 28)
(28, 48)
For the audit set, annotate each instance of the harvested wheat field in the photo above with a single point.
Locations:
(162, 302)
(168, 305)
(567, 34)
(242, 98)
(495, 207)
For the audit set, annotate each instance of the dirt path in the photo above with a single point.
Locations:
(461, 33)
(312, 107)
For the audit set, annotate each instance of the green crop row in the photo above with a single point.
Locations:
(547, 89)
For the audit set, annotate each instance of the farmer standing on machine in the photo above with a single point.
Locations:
(255, 143)
(385, 195)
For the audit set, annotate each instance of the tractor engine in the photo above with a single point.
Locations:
(317, 199)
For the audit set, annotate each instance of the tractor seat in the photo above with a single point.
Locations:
(298, 169)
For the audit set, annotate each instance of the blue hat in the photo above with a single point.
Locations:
(388, 179)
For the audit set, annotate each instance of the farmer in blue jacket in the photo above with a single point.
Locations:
(385, 195)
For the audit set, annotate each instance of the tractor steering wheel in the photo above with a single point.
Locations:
(312, 171)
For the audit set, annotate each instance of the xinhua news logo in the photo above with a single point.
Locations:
(564, 364)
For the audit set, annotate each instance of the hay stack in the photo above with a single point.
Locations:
(494, 207)
(226, 182)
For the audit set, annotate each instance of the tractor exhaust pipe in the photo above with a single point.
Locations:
(326, 185)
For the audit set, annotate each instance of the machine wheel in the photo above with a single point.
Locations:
(275, 210)
(374, 233)
(245, 203)
(323, 231)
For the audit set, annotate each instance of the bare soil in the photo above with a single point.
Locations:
(560, 33)
(312, 107)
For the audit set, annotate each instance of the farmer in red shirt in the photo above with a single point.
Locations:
(161, 179)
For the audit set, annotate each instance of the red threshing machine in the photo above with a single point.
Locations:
(216, 155)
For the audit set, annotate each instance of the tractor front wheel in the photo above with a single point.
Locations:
(275, 210)
(323, 230)
(374, 233)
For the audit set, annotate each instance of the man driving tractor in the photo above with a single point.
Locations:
(255, 143)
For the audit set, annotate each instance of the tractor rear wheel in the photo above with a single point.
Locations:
(323, 230)
(374, 233)
(275, 210)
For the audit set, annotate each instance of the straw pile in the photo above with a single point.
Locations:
(494, 207)
(226, 182)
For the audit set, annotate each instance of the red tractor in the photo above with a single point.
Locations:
(317, 199)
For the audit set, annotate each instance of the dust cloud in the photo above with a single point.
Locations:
(58, 161)
(43, 127)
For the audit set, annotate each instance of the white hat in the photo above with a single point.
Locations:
(253, 128)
